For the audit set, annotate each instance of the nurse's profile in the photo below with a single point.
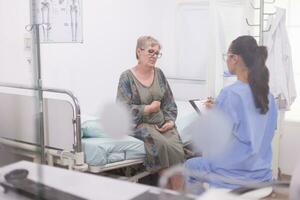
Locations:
(251, 111)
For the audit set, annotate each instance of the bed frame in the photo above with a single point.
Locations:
(62, 135)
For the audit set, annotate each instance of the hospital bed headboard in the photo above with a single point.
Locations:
(19, 112)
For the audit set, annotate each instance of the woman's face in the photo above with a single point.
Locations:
(148, 56)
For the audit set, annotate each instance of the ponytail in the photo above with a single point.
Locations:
(254, 57)
(258, 79)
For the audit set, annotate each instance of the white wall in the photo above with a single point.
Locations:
(91, 69)
(289, 147)
(14, 15)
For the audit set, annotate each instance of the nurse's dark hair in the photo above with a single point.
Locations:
(254, 57)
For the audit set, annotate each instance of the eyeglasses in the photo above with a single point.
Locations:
(152, 53)
(226, 55)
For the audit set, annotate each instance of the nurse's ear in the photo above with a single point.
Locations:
(236, 59)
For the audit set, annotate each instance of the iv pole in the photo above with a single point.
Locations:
(34, 27)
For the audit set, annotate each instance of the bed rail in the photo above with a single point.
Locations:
(76, 109)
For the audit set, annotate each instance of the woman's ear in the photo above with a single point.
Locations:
(138, 52)
(236, 59)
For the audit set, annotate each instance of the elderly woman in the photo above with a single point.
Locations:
(145, 90)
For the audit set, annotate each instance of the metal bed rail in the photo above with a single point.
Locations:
(76, 109)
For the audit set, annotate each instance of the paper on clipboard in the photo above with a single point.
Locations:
(199, 105)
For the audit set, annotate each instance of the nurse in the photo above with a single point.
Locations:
(251, 110)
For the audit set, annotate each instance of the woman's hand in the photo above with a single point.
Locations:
(153, 107)
(209, 103)
(167, 126)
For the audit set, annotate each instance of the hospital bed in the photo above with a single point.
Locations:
(69, 142)
(103, 153)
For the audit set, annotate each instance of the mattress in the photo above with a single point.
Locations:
(102, 151)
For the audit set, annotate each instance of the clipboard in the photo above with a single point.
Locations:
(194, 105)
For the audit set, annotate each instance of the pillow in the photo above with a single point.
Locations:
(184, 109)
(186, 115)
(85, 118)
(92, 129)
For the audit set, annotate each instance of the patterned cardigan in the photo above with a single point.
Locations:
(129, 95)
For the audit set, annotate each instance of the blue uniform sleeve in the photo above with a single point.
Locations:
(230, 105)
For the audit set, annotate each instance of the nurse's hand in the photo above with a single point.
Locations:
(153, 107)
(209, 103)
(167, 126)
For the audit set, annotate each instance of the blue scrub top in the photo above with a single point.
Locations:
(249, 156)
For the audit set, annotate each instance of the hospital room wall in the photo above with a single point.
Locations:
(91, 69)
(15, 68)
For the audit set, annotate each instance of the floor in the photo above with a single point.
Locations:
(280, 193)
(277, 194)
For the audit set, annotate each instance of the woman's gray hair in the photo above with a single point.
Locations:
(145, 41)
